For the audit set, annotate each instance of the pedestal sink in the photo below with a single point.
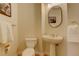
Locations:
(53, 40)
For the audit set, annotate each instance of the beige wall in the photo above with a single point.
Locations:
(61, 30)
(29, 22)
(12, 19)
(73, 12)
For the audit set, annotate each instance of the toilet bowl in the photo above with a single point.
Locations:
(28, 52)
(30, 43)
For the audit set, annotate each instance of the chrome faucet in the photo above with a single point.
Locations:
(54, 35)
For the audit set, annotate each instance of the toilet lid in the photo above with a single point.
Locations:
(28, 52)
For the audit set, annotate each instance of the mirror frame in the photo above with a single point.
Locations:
(61, 17)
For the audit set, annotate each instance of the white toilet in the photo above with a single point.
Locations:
(30, 43)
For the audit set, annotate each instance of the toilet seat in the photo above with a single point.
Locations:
(28, 52)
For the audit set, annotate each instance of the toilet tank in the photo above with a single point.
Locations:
(31, 42)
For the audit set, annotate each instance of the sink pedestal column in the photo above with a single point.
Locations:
(52, 49)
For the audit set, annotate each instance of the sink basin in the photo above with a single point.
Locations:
(52, 39)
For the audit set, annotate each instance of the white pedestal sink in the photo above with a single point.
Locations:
(53, 39)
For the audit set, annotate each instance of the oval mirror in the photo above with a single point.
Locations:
(55, 16)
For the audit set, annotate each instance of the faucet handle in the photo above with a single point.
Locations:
(54, 35)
